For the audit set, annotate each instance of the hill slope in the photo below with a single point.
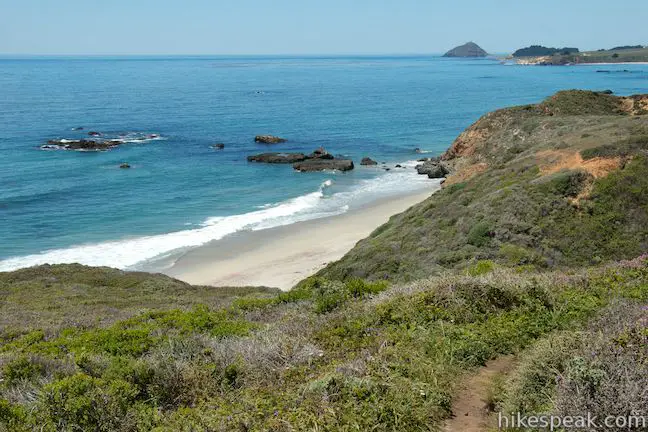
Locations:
(470, 49)
(551, 185)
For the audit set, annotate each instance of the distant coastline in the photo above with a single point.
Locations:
(537, 55)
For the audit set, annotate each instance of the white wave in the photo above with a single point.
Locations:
(128, 253)
(137, 137)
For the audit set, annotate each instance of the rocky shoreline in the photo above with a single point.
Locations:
(319, 160)
(97, 142)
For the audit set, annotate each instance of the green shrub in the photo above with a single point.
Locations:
(253, 303)
(532, 387)
(623, 148)
(81, 402)
(517, 255)
(13, 417)
(21, 368)
(566, 183)
(480, 268)
(480, 234)
(328, 295)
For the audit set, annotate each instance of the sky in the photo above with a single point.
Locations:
(293, 27)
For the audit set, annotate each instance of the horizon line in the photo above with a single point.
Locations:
(331, 54)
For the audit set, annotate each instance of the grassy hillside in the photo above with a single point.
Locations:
(523, 252)
(328, 356)
(554, 185)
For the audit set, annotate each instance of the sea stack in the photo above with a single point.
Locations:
(470, 49)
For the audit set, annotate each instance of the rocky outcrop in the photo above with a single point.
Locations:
(319, 164)
(433, 168)
(469, 49)
(269, 139)
(80, 145)
(278, 158)
(368, 161)
(320, 153)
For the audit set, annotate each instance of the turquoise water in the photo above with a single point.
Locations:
(66, 206)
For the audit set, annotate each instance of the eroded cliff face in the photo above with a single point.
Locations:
(501, 135)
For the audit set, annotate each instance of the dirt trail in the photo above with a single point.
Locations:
(469, 408)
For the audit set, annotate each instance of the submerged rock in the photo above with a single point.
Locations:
(218, 146)
(124, 166)
(319, 164)
(368, 161)
(278, 158)
(269, 139)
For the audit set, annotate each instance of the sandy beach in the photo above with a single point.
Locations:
(281, 257)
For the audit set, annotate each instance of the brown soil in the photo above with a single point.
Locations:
(552, 161)
(465, 173)
(470, 408)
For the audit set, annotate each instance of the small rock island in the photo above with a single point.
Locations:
(470, 49)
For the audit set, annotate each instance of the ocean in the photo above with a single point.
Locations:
(60, 206)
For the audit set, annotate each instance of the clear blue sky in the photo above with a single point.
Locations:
(313, 27)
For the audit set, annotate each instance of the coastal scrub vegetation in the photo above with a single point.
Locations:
(334, 356)
(535, 247)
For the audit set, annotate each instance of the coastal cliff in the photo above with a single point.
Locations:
(531, 185)
(532, 249)
(538, 55)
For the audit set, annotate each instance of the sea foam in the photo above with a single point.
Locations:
(128, 253)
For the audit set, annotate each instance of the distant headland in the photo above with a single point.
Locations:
(545, 56)
(470, 49)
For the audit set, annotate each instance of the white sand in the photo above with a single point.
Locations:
(281, 257)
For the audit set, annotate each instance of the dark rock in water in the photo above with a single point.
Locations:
(433, 169)
(417, 150)
(94, 134)
(82, 145)
(368, 161)
(77, 128)
(470, 49)
(399, 166)
(320, 164)
(124, 166)
(269, 139)
(387, 169)
(218, 146)
(606, 92)
(278, 158)
(320, 153)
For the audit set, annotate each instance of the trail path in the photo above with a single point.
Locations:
(469, 408)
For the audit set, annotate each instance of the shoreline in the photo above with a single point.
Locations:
(282, 256)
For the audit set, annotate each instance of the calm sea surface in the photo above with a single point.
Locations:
(66, 206)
